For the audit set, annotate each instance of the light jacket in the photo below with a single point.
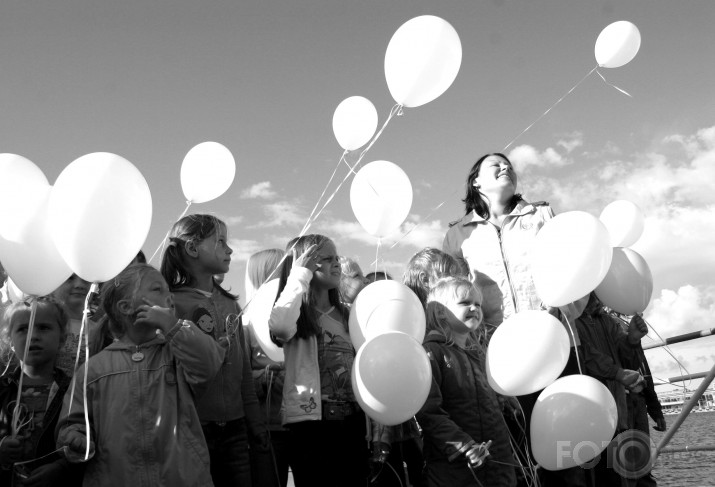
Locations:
(499, 260)
(230, 395)
(301, 389)
(142, 416)
(462, 408)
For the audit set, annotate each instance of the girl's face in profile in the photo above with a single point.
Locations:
(328, 273)
(214, 252)
(496, 173)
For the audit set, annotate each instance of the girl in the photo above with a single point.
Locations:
(327, 427)
(352, 280)
(43, 387)
(144, 426)
(268, 375)
(426, 267)
(461, 414)
(230, 417)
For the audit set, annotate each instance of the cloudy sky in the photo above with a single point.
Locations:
(148, 80)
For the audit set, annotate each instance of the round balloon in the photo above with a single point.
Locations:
(570, 257)
(527, 352)
(573, 420)
(628, 285)
(20, 178)
(29, 254)
(617, 44)
(391, 377)
(207, 172)
(259, 312)
(354, 122)
(422, 60)
(100, 213)
(385, 306)
(624, 221)
(381, 197)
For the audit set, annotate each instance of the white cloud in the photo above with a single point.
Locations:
(571, 141)
(282, 213)
(260, 190)
(243, 249)
(524, 156)
(233, 220)
(688, 309)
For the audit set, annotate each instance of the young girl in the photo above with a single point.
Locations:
(327, 427)
(461, 415)
(230, 417)
(144, 428)
(352, 280)
(43, 387)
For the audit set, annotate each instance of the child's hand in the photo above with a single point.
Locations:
(10, 450)
(44, 476)
(151, 314)
(637, 329)
(478, 453)
(77, 448)
(308, 259)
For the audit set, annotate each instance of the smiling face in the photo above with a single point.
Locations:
(496, 174)
(214, 254)
(47, 336)
(465, 306)
(328, 273)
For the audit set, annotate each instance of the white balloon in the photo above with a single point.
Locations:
(28, 253)
(207, 172)
(354, 122)
(385, 306)
(381, 197)
(14, 293)
(527, 352)
(570, 257)
(624, 221)
(617, 44)
(19, 178)
(100, 213)
(422, 60)
(259, 311)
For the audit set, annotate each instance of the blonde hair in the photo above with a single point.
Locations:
(259, 266)
(444, 291)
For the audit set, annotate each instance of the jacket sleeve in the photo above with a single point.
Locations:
(284, 315)
(437, 426)
(199, 355)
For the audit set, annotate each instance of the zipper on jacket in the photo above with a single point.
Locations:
(506, 265)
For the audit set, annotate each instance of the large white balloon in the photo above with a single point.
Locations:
(617, 44)
(385, 306)
(624, 221)
(628, 285)
(527, 352)
(19, 178)
(354, 122)
(259, 311)
(573, 420)
(391, 377)
(422, 60)
(100, 213)
(570, 257)
(207, 172)
(381, 197)
(28, 252)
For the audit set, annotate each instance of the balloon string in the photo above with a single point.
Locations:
(377, 252)
(162, 245)
(342, 159)
(16, 416)
(549, 109)
(420, 222)
(573, 339)
(612, 85)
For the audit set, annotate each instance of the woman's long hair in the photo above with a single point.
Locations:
(473, 200)
(308, 319)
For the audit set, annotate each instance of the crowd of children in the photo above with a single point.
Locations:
(177, 391)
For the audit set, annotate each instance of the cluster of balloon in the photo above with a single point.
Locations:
(628, 286)
(391, 375)
(381, 197)
(617, 44)
(207, 172)
(572, 422)
(570, 257)
(527, 352)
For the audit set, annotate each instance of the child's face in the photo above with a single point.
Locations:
(214, 252)
(72, 293)
(328, 273)
(154, 289)
(467, 309)
(46, 336)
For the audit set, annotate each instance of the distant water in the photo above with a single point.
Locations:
(692, 469)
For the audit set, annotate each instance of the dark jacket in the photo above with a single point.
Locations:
(461, 408)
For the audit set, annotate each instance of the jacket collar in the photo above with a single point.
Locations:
(521, 208)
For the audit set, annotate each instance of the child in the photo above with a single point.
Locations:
(43, 387)
(426, 267)
(352, 280)
(229, 412)
(143, 423)
(327, 428)
(461, 412)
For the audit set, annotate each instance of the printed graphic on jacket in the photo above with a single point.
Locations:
(203, 319)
